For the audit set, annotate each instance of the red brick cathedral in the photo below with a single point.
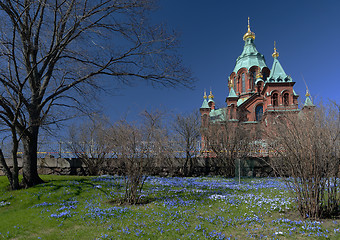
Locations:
(255, 91)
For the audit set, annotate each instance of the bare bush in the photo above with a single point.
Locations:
(227, 141)
(159, 150)
(90, 143)
(127, 141)
(307, 149)
(187, 133)
(138, 149)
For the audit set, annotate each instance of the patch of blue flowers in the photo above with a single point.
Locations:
(190, 208)
(306, 227)
(259, 201)
(65, 209)
(3, 203)
(43, 204)
(63, 214)
(112, 212)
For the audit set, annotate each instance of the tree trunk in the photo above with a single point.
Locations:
(207, 165)
(190, 166)
(186, 165)
(6, 169)
(15, 184)
(12, 176)
(30, 158)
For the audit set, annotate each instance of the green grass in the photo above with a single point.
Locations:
(71, 207)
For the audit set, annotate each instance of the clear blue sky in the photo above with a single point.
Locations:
(307, 35)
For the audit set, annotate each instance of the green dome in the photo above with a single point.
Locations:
(249, 57)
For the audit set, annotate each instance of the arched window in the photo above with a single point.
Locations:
(243, 83)
(235, 84)
(275, 99)
(253, 79)
(258, 112)
(286, 99)
(265, 75)
(232, 112)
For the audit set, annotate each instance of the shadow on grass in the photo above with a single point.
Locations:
(77, 187)
(84, 186)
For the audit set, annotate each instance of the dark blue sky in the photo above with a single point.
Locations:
(307, 35)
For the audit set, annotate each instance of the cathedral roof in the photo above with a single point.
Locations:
(205, 102)
(277, 74)
(232, 93)
(308, 101)
(217, 115)
(241, 100)
(250, 56)
(295, 94)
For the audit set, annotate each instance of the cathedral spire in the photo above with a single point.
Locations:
(205, 102)
(211, 97)
(249, 56)
(249, 33)
(232, 93)
(308, 101)
(277, 74)
(275, 54)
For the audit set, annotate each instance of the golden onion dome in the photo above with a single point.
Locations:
(307, 93)
(205, 95)
(249, 34)
(210, 95)
(275, 54)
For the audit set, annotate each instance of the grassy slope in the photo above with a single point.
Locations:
(69, 207)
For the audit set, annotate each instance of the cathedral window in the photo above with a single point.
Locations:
(286, 99)
(275, 100)
(235, 84)
(259, 112)
(265, 75)
(232, 112)
(253, 79)
(243, 83)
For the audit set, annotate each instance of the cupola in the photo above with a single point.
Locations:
(250, 56)
(249, 34)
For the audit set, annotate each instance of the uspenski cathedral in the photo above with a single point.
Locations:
(256, 93)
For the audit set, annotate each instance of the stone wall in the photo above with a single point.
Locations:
(253, 167)
(51, 165)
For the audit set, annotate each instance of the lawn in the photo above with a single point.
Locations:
(69, 207)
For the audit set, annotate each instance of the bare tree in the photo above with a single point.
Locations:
(54, 51)
(90, 142)
(226, 142)
(307, 150)
(187, 134)
(128, 145)
(156, 139)
(139, 148)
